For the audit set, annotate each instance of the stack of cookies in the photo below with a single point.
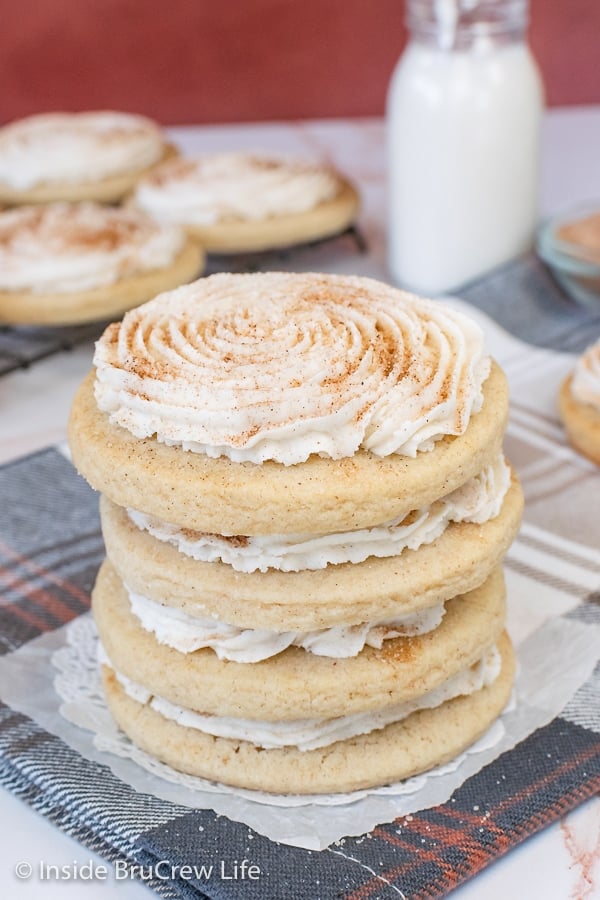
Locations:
(305, 508)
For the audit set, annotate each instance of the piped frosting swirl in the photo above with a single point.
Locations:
(73, 148)
(72, 247)
(225, 187)
(279, 366)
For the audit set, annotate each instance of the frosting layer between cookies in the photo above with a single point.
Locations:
(279, 366)
(478, 500)
(233, 186)
(585, 385)
(76, 147)
(309, 734)
(186, 633)
(65, 247)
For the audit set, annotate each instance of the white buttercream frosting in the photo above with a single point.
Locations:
(279, 366)
(585, 385)
(478, 500)
(73, 148)
(309, 734)
(73, 247)
(233, 186)
(186, 633)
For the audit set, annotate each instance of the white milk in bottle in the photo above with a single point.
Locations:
(464, 111)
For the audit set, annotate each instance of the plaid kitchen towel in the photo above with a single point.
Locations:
(51, 547)
(47, 573)
(524, 298)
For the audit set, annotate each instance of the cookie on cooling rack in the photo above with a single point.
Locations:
(241, 202)
(63, 263)
(77, 156)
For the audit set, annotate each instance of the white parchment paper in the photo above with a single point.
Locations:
(554, 661)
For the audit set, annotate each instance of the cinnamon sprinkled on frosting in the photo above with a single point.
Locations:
(73, 148)
(67, 247)
(280, 366)
(232, 187)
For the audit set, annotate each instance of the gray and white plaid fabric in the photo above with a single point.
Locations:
(525, 299)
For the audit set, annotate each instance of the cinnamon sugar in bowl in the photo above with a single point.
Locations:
(569, 244)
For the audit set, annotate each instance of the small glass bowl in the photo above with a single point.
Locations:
(575, 265)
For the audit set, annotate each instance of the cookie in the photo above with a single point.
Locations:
(218, 495)
(73, 157)
(425, 739)
(376, 589)
(374, 406)
(240, 202)
(290, 466)
(70, 263)
(581, 421)
(297, 684)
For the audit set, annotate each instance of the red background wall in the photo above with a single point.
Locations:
(187, 61)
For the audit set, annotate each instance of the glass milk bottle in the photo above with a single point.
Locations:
(464, 111)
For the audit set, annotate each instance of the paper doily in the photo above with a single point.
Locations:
(79, 685)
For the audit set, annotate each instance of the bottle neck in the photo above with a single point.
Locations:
(467, 24)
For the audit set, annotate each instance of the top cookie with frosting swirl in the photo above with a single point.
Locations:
(246, 202)
(233, 186)
(281, 367)
(279, 404)
(77, 156)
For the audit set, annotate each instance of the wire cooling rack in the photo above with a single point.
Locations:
(269, 259)
(21, 347)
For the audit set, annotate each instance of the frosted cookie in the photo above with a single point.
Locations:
(416, 743)
(77, 156)
(458, 560)
(239, 202)
(67, 263)
(296, 683)
(280, 403)
(579, 404)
